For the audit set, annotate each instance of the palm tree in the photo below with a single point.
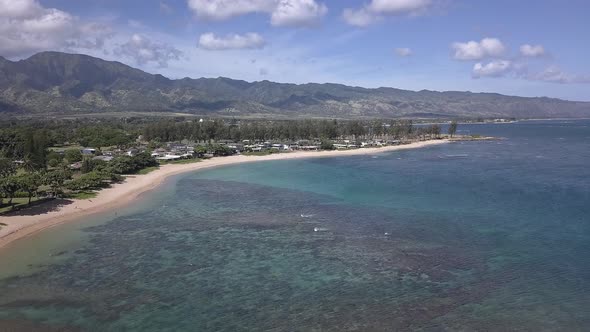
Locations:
(9, 186)
(453, 128)
(29, 164)
(29, 183)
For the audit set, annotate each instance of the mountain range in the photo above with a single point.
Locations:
(55, 83)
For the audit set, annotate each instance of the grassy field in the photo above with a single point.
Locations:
(16, 203)
(66, 147)
(182, 161)
(260, 153)
(83, 195)
(147, 170)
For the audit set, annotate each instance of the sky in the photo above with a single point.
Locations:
(525, 47)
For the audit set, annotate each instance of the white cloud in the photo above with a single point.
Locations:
(359, 18)
(502, 68)
(143, 50)
(532, 50)
(493, 49)
(472, 50)
(377, 9)
(554, 74)
(395, 7)
(250, 40)
(20, 9)
(403, 51)
(297, 13)
(135, 24)
(166, 8)
(90, 36)
(282, 12)
(27, 27)
(225, 9)
(284, 61)
(495, 68)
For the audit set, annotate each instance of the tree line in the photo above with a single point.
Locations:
(31, 138)
(28, 165)
(259, 130)
(94, 174)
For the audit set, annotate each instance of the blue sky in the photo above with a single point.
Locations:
(527, 48)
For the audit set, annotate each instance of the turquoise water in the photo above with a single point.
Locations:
(467, 236)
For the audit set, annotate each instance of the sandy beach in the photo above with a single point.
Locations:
(123, 193)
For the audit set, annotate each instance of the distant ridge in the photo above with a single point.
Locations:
(62, 83)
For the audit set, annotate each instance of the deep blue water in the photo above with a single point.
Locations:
(488, 235)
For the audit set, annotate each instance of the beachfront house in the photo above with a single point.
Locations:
(132, 152)
(159, 152)
(168, 157)
(179, 148)
(309, 147)
(105, 158)
(76, 166)
(237, 147)
(174, 151)
(371, 144)
(88, 151)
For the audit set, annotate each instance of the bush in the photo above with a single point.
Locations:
(20, 194)
(89, 165)
(92, 180)
(130, 165)
(327, 145)
(56, 179)
(220, 150)
(73, 155)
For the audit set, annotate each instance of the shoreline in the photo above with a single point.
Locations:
(122, 194)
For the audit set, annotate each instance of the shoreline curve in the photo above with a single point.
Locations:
(121, 194)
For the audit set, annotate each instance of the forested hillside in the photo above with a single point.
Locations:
(61, 83)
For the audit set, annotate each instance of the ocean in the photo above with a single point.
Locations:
(483, 235)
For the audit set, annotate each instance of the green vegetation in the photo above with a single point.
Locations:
(9, 186)
(327, 145)
(233, 130)
(259, 153)
(90, 181)
(31, 168)
(73, 155)
(17, 203)
(39, 76)
(147, 170)
(132, 165)
(453, 128)
(83, 195)
(61, 147)
(183, 161)
(29, 183)
(7, 167)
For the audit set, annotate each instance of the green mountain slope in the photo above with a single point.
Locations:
(61, 83)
